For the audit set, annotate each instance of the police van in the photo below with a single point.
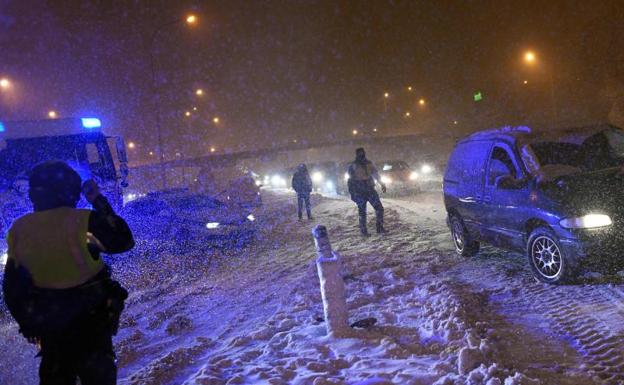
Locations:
(78, 141)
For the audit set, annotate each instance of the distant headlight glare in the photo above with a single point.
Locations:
(251, 218)
(426, 169)
(587, 221)
(212, 225)
(317, 177)
(346, 177)
(413, 175)
(386, 179)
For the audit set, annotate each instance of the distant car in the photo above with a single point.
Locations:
(397, 176)
(555, 196)
(182, 216)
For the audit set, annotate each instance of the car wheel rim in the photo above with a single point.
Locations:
(546, 257)
(458, 236)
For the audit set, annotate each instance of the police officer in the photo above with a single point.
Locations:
(362, 176)
(56, 285)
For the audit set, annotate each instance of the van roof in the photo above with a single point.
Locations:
(48, 127)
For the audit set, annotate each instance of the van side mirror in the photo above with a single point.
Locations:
(508, 182)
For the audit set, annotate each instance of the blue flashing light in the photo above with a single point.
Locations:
(91, 122)
(2, 129)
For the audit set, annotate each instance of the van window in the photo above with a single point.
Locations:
(467, 162)
(501, 164)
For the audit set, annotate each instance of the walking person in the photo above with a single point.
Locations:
(302, 184)
(362, 176)
(57, 286)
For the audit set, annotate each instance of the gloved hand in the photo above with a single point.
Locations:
(383, 188)
(90, 190)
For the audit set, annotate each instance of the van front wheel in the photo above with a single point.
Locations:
(546, 257)
(464, 246)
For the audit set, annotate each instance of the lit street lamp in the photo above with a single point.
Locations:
(421, 102)
(408, 114)
(187, 113)
(215, 120)
(5, 83)
(199, 92)
(354, 132)
(212, 149)
(52, 114)
(131, 145)
(529, 57)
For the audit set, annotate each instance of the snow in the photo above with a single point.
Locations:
(255, 316)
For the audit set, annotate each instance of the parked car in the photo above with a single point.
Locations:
(231, 184)
(556, 196)
(191, 217)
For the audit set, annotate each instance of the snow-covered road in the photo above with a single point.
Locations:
(255, 316)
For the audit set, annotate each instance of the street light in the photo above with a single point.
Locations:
(131, 145)
(215, 120)
(187, 113)
(408, 114)
(421, 102)
(529, 57)
(199, 92)
(190, 20)
(409, 88)
(355, 132)
(212, 149)
(5, 83)
(52, 114)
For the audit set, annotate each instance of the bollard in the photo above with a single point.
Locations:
(332, 285)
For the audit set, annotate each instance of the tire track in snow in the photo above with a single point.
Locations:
(580, 315)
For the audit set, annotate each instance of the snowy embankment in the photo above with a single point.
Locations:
(255, 316)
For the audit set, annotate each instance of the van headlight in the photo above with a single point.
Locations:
(317, 177)
(588, 221)
(426, 169)
(413, 175)
(386, 179)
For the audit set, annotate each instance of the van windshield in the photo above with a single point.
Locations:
(602, 150)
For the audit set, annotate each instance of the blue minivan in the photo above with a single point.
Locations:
(556, 195)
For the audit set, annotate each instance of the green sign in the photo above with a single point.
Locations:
(478, 96)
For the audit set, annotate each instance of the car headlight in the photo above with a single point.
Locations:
(386, 179)
(426, 169)
(278, 181)
(212, 225)
(413, 175)
(251, 218)
(258, 183)
(588, 221)
(317, 177)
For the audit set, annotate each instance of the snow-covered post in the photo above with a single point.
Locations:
(332, 285)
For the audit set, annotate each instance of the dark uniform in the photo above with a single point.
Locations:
(302, 184)
(362, 175)
(55, 283)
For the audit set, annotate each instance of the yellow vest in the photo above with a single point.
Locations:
(52, 246)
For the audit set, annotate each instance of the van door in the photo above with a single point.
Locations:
(504, 208)
(464, 183)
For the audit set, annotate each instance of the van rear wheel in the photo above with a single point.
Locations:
(464, 246)
(547, 259)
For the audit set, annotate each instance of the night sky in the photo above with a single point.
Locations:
(278, 71)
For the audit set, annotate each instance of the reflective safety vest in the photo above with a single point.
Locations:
(360, 171)
(52, 246)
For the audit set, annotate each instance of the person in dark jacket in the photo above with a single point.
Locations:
(57, 286)
(362, 176)
(302, 184)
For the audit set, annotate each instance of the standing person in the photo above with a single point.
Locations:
(57, 286)
(302, 184)
(362, 176)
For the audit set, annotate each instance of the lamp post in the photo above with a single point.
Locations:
(189, 20)
(530, 58)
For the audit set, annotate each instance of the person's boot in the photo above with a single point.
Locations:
(363, 229)
(381, 229)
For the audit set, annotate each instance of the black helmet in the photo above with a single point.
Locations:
(54, 184)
